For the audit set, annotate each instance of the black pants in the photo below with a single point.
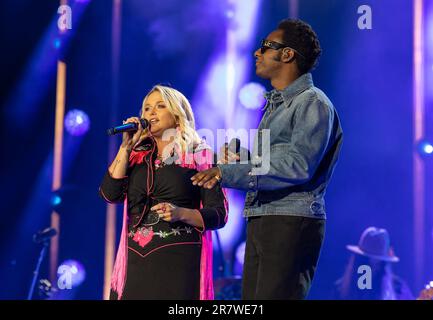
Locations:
(281, 256)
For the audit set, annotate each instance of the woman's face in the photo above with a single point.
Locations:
(158, 115)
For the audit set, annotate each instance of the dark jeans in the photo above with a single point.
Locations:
(281, 256)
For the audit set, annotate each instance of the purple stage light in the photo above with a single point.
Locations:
(240, 253)
(252, 95)
(230, 14)
(77, 122)
(238, 264)
(71, 273)
(218, 92)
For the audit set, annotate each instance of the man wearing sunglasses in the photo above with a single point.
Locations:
(285, 207)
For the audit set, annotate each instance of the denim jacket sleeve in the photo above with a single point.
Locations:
(297, 162)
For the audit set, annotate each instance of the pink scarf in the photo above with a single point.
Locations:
(200, 161)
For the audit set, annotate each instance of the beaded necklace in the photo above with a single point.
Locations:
(160, 162)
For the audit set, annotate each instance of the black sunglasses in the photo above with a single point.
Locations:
(268, 44)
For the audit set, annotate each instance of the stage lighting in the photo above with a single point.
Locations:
(230, 13)
(71, 274)
(56, 200)
(251, 95)
(240, 253)
(425, 148)
(57, 43)
(63, 198)
(77, 122)
(428, 148)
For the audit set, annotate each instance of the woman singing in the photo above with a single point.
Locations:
(165, 250)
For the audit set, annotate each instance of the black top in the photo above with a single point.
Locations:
(172, 184)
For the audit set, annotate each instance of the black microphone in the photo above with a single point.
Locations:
(127, 127)
(44, 235)
(235, 147)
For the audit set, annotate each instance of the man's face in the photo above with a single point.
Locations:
(269, 63)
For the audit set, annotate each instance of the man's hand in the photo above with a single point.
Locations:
(207, 178)
(227, 156)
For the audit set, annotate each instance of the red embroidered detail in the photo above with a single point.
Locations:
(143, 236)
(137, 157)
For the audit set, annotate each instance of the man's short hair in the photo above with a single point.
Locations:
(300, 36)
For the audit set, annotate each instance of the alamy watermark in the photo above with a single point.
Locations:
(365, 21)
(65, 20)
(65, 274)
(365, 278)
(258, 140)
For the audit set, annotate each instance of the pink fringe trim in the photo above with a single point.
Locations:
(118, 278)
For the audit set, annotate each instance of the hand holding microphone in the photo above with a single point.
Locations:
(132, 130)
(233, 152)
(128, 126)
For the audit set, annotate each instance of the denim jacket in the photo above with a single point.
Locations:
(305, 139)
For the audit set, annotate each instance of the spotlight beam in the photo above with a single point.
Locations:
(419, 131)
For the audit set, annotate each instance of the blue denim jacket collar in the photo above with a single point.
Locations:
(277, 96)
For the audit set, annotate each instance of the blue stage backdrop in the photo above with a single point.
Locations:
(368, 74)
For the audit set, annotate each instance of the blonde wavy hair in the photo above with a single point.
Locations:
(186, 138)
